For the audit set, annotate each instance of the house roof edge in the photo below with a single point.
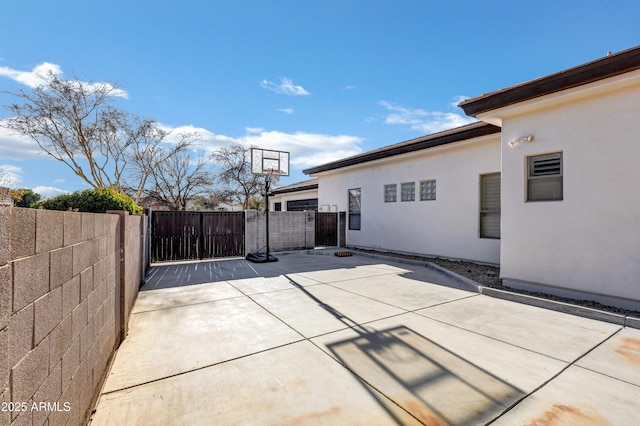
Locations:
(599, 69)
(457, 134)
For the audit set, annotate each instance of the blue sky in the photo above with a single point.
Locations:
(323, 79)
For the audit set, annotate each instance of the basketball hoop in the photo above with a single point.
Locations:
(267, 163)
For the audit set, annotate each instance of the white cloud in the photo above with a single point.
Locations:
(49, 191)
(307, 149)
(14, 146)
(36, 77)
(286, 87)
(33, 78)
(424, 121)
(286, 110)
(10, 176)
(456, 100)
(349, 87)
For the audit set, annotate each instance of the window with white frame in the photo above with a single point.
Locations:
(354, 209)
(427, 190)
(391, 193)
(408, 191)
(544, 177)
(490, 206)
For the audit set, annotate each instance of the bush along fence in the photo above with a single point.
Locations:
(68, 282)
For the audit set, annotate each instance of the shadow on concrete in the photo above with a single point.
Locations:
(209, 271)
(433, 384)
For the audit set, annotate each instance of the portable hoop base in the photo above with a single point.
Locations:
(261, 258)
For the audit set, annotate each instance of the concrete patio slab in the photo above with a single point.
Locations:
(578, 397)
(344, 274)
(618, 357)
(150, 300)
(171, 341)
(408, 292)
(425, 366)
(259, 285)
(320, 309)
(562, 336)
(290, 385)
(326, 340)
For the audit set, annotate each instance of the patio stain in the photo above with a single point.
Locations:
(630, 349)
(562, 414)
(332, 412)
(422, 413)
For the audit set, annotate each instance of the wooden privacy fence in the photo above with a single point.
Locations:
(178, 235)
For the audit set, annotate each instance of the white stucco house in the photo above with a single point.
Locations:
(299, 196)
(546, 184)
(570, 216)
(425, 195)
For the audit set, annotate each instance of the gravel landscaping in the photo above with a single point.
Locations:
(489, 276)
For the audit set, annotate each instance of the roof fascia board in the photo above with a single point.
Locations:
(428, 142)
(297, 189)
(403, 157)
(600, 87)
(602, 68)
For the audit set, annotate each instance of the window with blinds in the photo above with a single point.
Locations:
(544, 182)
(490, 205)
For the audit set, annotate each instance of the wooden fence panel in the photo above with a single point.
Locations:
(196, 235)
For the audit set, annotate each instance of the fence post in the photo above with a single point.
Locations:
(123, 272)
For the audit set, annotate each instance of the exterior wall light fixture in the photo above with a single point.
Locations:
(523, 139)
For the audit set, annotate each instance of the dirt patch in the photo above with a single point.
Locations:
(489, 276)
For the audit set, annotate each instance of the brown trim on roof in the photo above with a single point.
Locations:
(286, 190)
(609, 66)
(458, 134)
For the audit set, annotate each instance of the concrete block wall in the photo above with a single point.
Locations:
(133, 264)
(60, 309)
(287, 231)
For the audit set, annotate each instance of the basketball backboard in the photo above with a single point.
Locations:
(269, 162)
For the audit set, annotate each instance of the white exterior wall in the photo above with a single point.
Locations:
(447, 227)
(590, 241)
(292, 196)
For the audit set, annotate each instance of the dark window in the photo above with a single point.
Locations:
(302, 205)
(490, 206)
(354, 209)
(277, 207)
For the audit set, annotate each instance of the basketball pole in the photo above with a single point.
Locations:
(267, 184)
(267, 163)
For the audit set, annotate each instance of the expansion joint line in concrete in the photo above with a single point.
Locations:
(201, 368)
(400, 307)
(555, 376)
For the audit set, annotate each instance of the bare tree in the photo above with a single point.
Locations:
(179, 179)
(5, 178)
(235, 180)
(76, 123)
(149, 151)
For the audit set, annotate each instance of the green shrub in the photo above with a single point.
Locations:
(93, 201)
